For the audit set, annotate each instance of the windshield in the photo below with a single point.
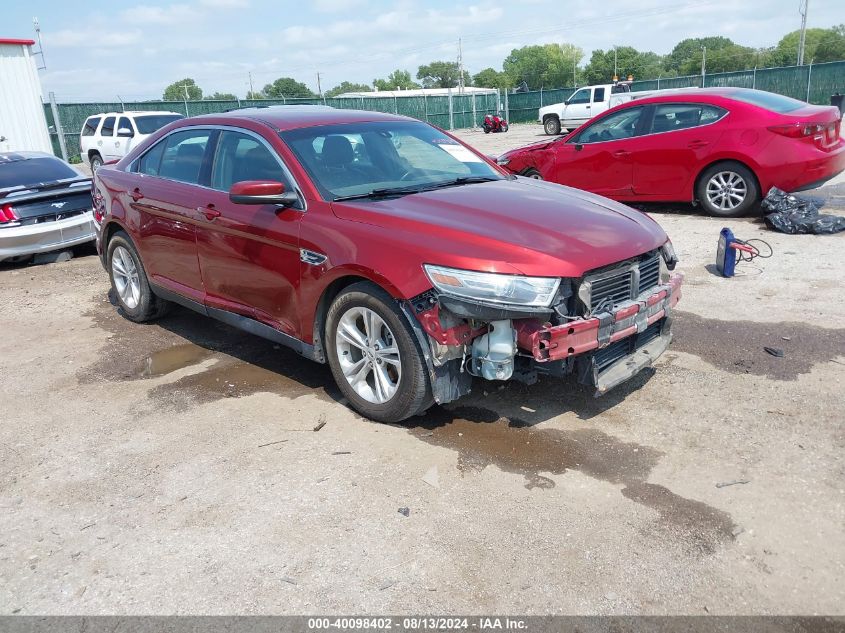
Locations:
(768, 100)
(384, 157)
(27, 172)
(149, 124)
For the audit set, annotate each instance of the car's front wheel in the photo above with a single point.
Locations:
(552, 125)
(96, 161)
(532, 173)
(727, 190)
(129, 281)
(373, 355)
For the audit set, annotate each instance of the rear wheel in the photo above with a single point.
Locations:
(373, 355)
(96, 161)
(532, 173)
(504, 127)
(551, 125)
(727, 190)
(129, 282)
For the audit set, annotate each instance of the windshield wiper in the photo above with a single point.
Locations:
(463, 180)
(382, 193)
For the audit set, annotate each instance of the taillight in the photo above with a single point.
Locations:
(7, 214)
(799, 130)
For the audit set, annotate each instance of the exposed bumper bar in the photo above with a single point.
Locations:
(549, 343)
(626, 368)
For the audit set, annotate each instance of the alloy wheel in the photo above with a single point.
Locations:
(726, 190)
(368, 355)
(127, 282)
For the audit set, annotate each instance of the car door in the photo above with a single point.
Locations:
(598, 157)
(164, 194)
(105, 140)
(124, 132)
(249, 253)
(578, 108)
(674, 148)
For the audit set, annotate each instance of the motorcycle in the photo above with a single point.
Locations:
(494, 123)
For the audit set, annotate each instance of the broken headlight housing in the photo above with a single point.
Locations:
(669, 256)
(494, 287)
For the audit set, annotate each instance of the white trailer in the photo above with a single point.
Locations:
(23, 126)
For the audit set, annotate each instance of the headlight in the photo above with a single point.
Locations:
(494, 287)
(502, 160)
(668, 252)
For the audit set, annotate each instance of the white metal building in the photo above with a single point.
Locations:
(419, 92)
(23, 126)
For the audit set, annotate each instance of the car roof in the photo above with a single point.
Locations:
(13, 157)
(694, 94)
(134, 113)
(288, 117)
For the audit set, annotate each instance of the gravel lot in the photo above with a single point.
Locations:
(172, 467)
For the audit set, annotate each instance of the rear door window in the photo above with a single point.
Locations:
(671, 117)
(108, 127)
(598, 95)
(90, 126)
(183, 155)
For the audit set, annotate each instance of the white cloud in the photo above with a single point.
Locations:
(92, 37)
(225, 4)
(146, 14)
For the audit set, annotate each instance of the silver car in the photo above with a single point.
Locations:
(45, 205)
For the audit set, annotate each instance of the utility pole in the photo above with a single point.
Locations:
(460, 67)
(703, 63)
(615, 72)
(40, 50)
(185, 86)
(251, 90)
(802, 9)
(319, 89)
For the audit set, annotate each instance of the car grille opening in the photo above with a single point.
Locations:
(609, 288)
(614, 352)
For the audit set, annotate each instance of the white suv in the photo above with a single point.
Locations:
(110, 136)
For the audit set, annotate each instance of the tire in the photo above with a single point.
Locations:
(504, 127)
(727, 190)
(486, 129)
(551, 124)
(532, 173)
(96, 161)
(401, 388)
(129, 282)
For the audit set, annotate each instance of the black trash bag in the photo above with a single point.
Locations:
(798, 214)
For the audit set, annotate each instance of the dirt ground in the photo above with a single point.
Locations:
(172, 468)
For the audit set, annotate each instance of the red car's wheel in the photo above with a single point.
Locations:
(532, 173)
(727, 190)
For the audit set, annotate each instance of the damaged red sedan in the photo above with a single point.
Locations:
(386, 248)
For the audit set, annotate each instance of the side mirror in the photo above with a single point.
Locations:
(125, 132)
(566, 102)
(578, 147)
(262, 192)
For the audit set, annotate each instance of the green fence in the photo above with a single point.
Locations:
(814, 83)
(467, 111)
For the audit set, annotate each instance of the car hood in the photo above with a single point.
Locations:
(518, 226)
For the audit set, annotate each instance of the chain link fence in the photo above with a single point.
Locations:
(814, 83)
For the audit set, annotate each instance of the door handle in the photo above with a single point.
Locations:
(209, 212)
(620, 153)
(588, 107)
(136, 194)
(697, 144)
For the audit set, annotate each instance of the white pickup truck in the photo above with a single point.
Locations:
(583, 105)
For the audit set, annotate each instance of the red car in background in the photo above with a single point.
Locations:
(723, 148)
(386, 248)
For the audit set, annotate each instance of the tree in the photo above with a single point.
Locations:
(786, 52)
(491, 78)
(255, 95)
(549, 65)
(176, 90)
(347, 86)
(629, 61)
(288, 88)
(441, 75)
(831, 46)
(397, 80)
(221, 96)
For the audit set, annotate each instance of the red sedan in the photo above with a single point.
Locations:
(720, 147)
(386, 248)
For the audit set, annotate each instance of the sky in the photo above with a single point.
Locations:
(132, 49)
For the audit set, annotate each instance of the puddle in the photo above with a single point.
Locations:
(170, 359)
(245, 364)
(482, 439)
(737, 346)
